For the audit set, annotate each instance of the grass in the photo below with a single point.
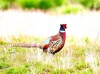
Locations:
(70, 6)
(5, 4)
(69, 9)
(72, 59)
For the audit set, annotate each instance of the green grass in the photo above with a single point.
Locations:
(70, 6)
(28, 4)
(72, 59)
(5, 4)
(70, 9)
(73, 9)
(39, 4)
(2, 42)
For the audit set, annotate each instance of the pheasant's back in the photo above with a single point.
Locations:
(54, 43)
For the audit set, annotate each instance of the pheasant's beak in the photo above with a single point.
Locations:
(65, 27)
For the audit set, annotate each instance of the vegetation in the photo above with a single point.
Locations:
(66, 6)
(79, 56)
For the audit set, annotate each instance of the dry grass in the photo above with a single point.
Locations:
(72, 59)
(79, 56)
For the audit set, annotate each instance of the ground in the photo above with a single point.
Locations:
(80, 54)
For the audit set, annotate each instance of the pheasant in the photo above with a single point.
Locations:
(53, 44)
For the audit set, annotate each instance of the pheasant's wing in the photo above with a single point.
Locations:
(54, 43)
(54, 37)
(47, 40)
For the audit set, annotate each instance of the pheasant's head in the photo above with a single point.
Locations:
(63, 27)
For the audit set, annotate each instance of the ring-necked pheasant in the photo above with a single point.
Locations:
(53, 44)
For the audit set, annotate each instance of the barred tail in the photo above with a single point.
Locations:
(24, 45)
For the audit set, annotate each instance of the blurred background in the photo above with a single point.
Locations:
(51, 4)
(31, 21)
(43, 17)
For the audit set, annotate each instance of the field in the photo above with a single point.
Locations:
(79, 56)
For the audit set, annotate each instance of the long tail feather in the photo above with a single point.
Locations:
(24, 45)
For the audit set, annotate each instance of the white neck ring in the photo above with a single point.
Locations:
(62, 31)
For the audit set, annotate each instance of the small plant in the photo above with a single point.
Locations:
(5, 4)
(73, 9)
(39, 67)
(17, 70)
(97, 4)
(4, 64)
(78, 52)
(59, 71)
(2, 42)
(46, 4)
(88, 3)
(80, 65)
(28, 4)
(25, 39)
